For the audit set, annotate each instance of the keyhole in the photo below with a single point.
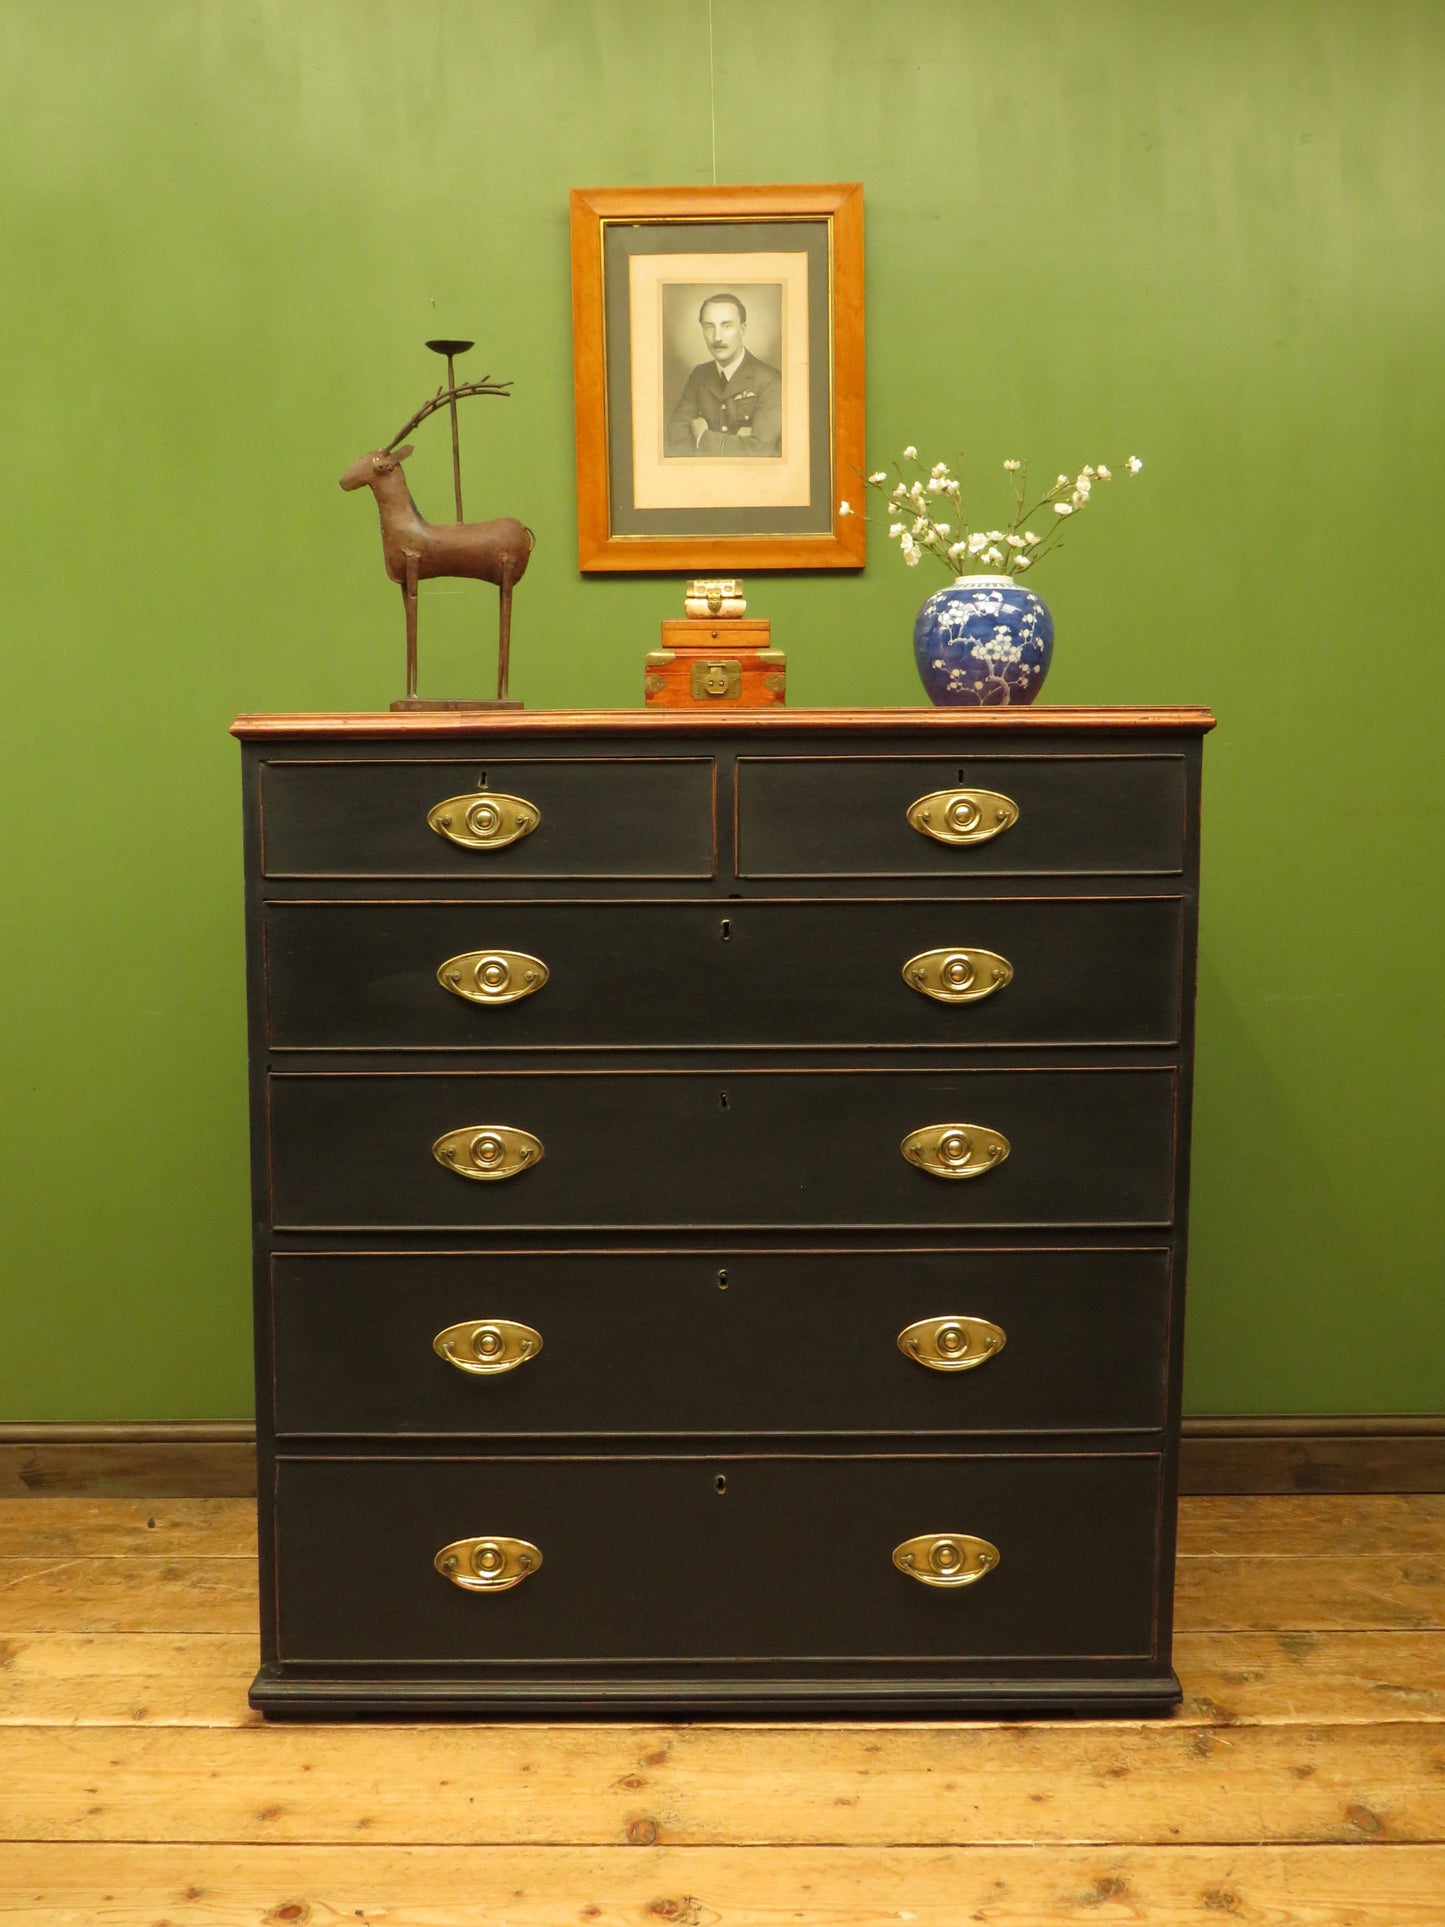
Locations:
(720, 1485)
(481, 779)
(960, 774)
(723, 1099)
(722, 1281)
(727, 930)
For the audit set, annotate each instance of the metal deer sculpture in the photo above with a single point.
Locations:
(415, 549)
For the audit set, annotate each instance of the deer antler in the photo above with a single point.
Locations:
(486, 386)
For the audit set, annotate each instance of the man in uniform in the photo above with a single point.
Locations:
(733, 404)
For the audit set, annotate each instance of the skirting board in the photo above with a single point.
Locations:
(217, 1459)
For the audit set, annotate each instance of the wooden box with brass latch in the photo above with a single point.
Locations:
(703, 663)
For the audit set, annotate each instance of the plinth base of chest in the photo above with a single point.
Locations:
(280, 1694)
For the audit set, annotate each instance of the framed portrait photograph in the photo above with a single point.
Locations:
(718, 355)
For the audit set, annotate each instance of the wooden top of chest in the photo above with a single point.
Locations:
(445, 723)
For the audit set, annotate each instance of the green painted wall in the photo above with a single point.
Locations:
(1211, 235)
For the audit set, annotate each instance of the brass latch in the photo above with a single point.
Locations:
(721, 680)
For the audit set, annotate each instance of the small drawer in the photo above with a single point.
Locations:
(667, 1344)
(643, 975)
(578, 1149)
(583, 817)
(1043, 815)
(716, 1558)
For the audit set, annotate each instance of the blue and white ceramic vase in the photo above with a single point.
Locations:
(985, 642)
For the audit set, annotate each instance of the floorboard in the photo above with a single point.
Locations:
(198, 1679)
(54, 1886)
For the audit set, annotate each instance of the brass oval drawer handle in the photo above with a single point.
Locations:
(955, 1150)
(957, 976)
(492, 976)
(488, 1151)
(487, 1565)
(952, 1344)
(963, 816)
(487, 1345)
(486, 820)
(946, 1558)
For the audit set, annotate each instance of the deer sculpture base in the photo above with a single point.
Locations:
(458, 702)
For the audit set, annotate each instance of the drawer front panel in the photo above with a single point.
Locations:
(673, 1344)
(1091, 970)
(598, 818)
(847, 816)
(647, 1561)
(739, 1148)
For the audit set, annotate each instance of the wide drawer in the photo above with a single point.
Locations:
(1077, 971)
(595, 817)
(665, 1343)
(655, 1560)
(1079, 815)
(724, 1148)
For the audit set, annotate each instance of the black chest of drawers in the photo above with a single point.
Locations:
(720, 1192)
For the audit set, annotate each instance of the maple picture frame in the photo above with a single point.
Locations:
(645, 263)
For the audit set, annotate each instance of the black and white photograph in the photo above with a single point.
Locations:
(730, 403)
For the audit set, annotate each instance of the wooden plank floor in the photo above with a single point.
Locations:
(1302, 1782)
